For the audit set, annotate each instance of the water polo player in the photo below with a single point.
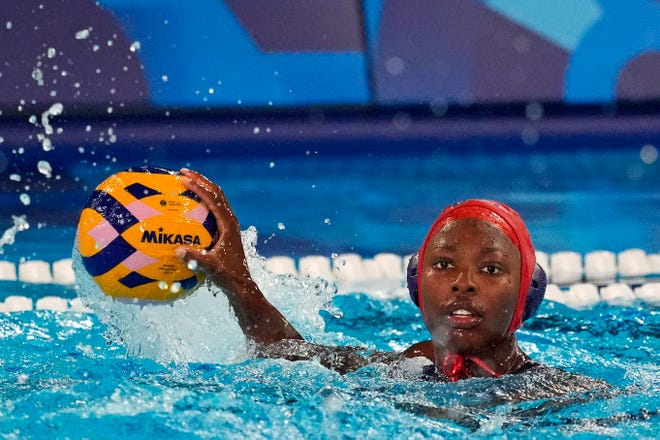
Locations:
(475, 280)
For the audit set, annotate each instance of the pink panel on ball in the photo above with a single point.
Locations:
(142, 210)
(103, 233)
(138, 260)
(199, 213)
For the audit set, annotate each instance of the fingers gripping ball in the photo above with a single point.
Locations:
(130, 227)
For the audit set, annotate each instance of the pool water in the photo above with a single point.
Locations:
(310, 198)
(184, 371)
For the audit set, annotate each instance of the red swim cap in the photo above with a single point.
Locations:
(506, 220)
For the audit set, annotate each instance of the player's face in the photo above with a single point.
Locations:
(469, 285)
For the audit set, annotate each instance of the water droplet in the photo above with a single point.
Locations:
(534, 111)
(135, 46)
(46, 144)
(281, 226)
(256, 130)
(648, 154)
(164, 78)
(82, 34)
(192, 265)
(9, 25)
(25, 199)
(22, 379)
(439, 106)
(271, 165)
(15, 177)
(530, 135)
(54, 110)
(175, 287)
(44, 168)
(395, 66)
(51, 52)
(326, 221)
(38, 76)
(162, 285)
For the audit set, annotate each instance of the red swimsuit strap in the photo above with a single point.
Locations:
(454, 366)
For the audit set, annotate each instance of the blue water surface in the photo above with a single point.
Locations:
(62, 378)
(185, 371)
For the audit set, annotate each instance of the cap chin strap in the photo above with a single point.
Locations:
(454, 366)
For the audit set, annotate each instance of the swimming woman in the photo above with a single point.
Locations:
(475, 281)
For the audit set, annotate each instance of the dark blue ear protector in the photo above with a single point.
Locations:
(535, 293)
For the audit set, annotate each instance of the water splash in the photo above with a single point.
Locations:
(44, 168)
(54, 110)
(82, 34)
(203, 327)
(9, 236)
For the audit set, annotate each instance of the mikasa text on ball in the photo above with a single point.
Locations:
(130, 227)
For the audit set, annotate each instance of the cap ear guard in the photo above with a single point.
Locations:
(411, 278)
(535, 293)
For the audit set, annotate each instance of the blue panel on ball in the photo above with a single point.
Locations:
(108, 257)
(188, 283)
(112, 211)
(210, 224)
(134, 279)
(191, 195)
(152, 170)
(140, 191)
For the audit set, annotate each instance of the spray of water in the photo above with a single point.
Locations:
(202, 327)
(9, 236)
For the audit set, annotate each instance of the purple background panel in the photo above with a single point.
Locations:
(294, 25)
(39, 38)
(640, 78)
(461, 51)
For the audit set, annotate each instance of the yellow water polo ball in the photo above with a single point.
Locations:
(130, 227)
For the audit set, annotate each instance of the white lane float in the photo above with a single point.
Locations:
(576, 281)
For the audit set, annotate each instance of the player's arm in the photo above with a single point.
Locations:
(225, 264)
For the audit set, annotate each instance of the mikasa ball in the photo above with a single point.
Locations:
(130, 227)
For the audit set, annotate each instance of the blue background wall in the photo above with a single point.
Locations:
(262, 53)
(334, 93)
